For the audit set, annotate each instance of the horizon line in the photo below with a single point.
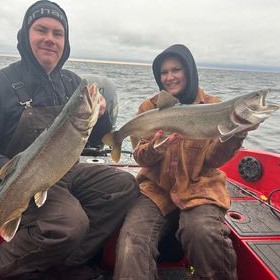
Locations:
(214, 66)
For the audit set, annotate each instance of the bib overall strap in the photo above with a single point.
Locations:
(20, 91)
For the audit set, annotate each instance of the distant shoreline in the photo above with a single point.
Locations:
(247, 68)
(91, 60)
(110, 61)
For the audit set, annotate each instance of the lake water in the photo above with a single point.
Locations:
(135, 83)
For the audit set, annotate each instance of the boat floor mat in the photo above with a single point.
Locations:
(252, 218)
(125, 160)
(236, 192)
(164, 274)
(269, 253)
(174, 274)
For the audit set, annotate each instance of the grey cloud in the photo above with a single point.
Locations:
(217, 31)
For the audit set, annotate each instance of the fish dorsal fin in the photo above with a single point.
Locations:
(9, 167)
(166, 100)
(40, 198)
(9, 229)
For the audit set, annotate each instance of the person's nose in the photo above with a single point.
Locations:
(169, 76)
(49, 37)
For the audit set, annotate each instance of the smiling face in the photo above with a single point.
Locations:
(47, 39)
(172, 75)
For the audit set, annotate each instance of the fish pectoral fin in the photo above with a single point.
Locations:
(9, 229)
(166, 100)
(9, 167)
(225, 131)
(40, 198)
(225, 138)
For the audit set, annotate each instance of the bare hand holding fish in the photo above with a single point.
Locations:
(32, 172)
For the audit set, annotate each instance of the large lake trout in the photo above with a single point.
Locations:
(32, 172)
(201, 121)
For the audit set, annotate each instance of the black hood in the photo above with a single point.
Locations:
(40, 9)
(183, 53)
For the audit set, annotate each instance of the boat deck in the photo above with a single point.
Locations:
(255, 231)
(256, 234)
(254, 223)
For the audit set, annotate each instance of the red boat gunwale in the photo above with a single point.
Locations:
(251, 262)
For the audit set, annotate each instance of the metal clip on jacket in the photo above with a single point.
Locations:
(26, 104)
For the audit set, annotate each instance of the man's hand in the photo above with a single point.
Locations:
(103, 104)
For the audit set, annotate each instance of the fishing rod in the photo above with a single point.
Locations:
(274, 210)
(100, 152)
(269, 201)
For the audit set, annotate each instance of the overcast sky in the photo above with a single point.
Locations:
(216, 31)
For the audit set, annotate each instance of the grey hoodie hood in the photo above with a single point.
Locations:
(40, 9)
(187, 96)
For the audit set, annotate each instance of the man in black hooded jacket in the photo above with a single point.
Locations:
(89, 202)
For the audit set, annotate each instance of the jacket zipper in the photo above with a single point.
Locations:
(54, 97)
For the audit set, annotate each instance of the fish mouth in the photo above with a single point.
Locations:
(263, 97)
(89, 96)
(85, 117)
(253, 109)
(262, 108)
(89, 99)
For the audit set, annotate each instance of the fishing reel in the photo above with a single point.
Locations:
(250, 168)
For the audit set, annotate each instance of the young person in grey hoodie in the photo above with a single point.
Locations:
(181, 187)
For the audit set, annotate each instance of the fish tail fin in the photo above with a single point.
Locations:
(110, 140)
(116, 153)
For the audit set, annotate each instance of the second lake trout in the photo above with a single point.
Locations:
(200, 121)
